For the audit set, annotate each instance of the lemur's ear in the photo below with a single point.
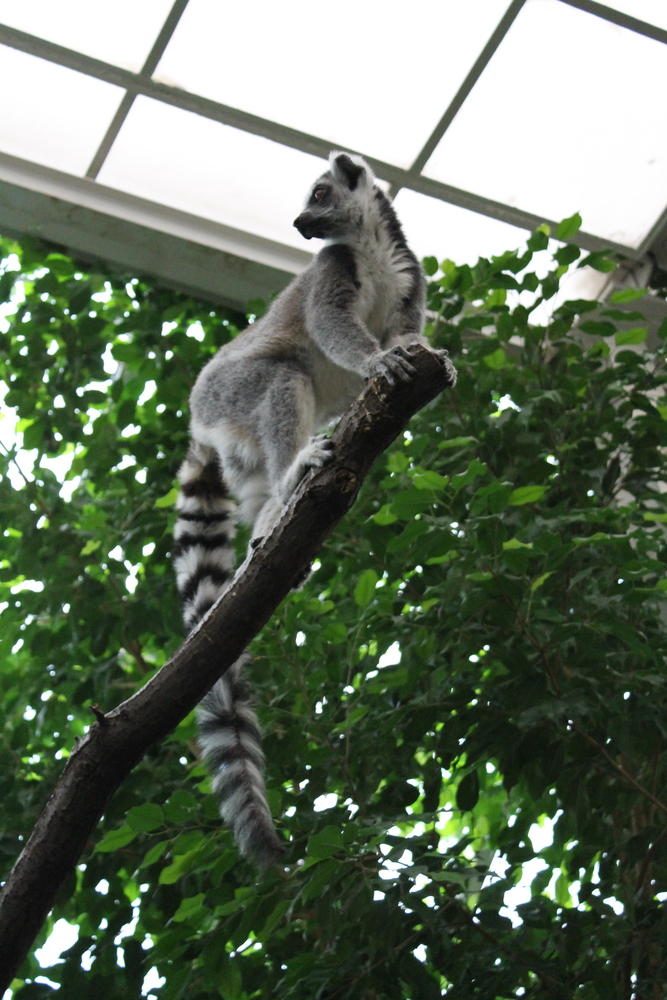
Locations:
(346, 170)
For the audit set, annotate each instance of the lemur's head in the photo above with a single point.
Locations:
(338, 200)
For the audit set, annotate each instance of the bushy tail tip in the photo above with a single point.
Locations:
(231, 744)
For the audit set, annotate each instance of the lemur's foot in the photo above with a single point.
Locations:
(317, 453)
(395, 364)
(449, 367)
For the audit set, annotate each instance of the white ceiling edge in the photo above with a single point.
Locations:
(92, 195)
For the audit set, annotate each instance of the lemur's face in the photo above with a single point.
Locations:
(333, 206)
(319, 217)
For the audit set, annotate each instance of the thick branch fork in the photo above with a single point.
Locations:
(117, 741)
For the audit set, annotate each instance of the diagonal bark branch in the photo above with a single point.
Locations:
(117, 741)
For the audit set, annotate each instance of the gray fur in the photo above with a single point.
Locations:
(256, 408)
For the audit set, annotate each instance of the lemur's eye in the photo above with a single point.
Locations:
(319, 193)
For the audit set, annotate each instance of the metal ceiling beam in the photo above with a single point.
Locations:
(147, 70)
(73, 194)
(473, 76)
(104, 242)
(284, 135)
(623, 20)
(655, 242)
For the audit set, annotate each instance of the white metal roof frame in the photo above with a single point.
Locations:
(207, 257)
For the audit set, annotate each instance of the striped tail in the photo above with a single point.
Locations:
(231, 743)
(229, 735)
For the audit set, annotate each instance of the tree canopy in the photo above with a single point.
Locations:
(466, 697)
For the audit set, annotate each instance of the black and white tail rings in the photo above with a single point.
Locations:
(229, 734)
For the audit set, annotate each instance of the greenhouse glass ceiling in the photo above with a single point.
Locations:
(180, 137)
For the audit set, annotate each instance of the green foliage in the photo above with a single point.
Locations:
(467, 693)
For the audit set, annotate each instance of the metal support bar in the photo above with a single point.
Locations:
(656, 241)
(287, 136)
(164, 37)
(623, 20)
(147, 70)
(473, 76)
(110, 135)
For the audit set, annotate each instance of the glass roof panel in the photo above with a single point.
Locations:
(652, 11)
(435, 228)
(57, 117)
(220, 173)
(121, 32)
(357, 75)
(588, 125)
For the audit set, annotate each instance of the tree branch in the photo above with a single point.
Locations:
(117, 741)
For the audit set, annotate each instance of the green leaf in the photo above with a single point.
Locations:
(627, 295)
(385, 516)
(229, 981)
(430, 265)
(189, 907)
(598, 536)
(274, 919)
(540, 580)
(365, 588)
(599, 261)
(180, 866)
(169, 499)
(475, 468)
(567, 254)
(566, 229)
(458, 442)
(514, 543)
(325, 843)
(146, 817)
(155, 853)
(526, 494)
(323, 873)
(179, 806)
(335, 633)
(635, 336)
(597, 328)
(174, 988)
(426, 479)
(115, 839)
(540, 239)
(407, 503)
(439, 560)
(467, 792)
(496, 360)
(91, 546)
(398, 461)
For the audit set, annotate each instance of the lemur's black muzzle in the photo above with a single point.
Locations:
(308, 226)
(301, 223)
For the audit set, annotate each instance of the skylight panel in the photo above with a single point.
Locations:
(373, 79)
(436, 228)
(53, 115)
(121, 32)
(220, 173)
(570, 115)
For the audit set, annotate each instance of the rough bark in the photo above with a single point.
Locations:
(117, 741)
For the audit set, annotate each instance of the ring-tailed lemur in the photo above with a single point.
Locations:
(255, 408)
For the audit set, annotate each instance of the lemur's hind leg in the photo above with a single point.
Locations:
(288, 443)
